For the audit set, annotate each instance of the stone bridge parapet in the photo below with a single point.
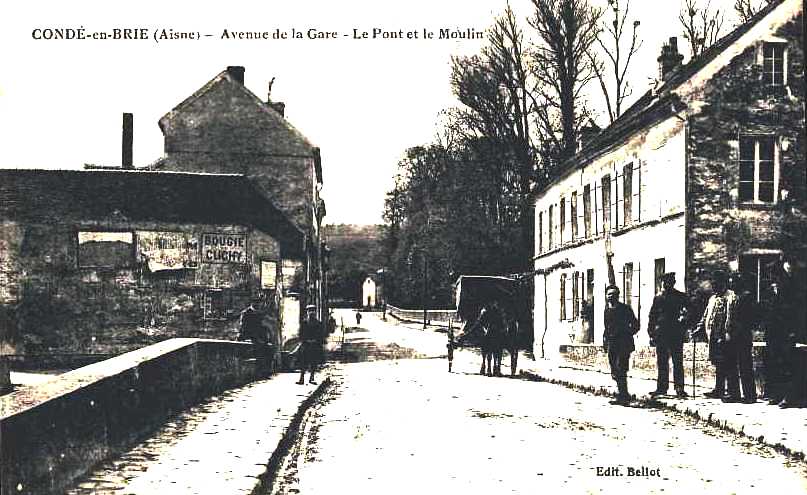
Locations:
(54, 432)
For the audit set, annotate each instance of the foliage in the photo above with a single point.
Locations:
(356, 251)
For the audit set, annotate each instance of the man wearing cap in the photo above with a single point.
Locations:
(620, 327)
(311, 337)
(666, 328)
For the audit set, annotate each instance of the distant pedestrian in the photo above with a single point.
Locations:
(358, 318)
(252, 329)
(312, 341)
(620, 327)
(715, 323)
(666, 328)
(450, 347)
(739, 343)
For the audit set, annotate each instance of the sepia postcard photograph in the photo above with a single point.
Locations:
(436, 246)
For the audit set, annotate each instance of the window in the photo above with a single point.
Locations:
(549, 230)
(658, 272)
(574, 215)
(627, 193)
(606, 202)
(758, 173)
(587, 211)
(562, 296)
(562, 219)
(758, 271)
(773, 64)
(541, 232)
(576, 296)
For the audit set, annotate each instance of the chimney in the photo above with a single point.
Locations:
(126, 141)
(279, 107)
(670, 59)
(236, 72)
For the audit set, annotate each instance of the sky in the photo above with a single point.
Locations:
(362, 101)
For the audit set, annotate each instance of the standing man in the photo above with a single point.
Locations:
(312, 337)
(716, 321)
(450, 346)
(741, 341)
(620, 327)
(666, 327)
(252, 329)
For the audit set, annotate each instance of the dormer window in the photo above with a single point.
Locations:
(773, 64)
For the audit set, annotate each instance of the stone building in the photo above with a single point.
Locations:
(100, 262)
(704, 172)
(225, 128)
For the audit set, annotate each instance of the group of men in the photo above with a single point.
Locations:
(731, 315)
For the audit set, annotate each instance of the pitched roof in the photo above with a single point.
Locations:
(658, 103)
(56, 196)
(267, 110)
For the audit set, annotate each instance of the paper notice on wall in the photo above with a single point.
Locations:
(268, 275)
(168, 250)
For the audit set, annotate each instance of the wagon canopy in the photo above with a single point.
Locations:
(475, 291)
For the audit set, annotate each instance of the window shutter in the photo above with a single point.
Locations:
(637, 289)
(597, 210)
(636, 205)
(562, 296)
(569, 301)
(616, 200)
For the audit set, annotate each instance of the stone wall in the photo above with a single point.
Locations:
(735, 102)
(60, 306)
(229, 130)
(54, 432)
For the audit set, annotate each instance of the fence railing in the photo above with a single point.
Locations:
(439, 317)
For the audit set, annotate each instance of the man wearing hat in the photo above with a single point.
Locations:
(666, 328)
(311, 337)
(620, 327)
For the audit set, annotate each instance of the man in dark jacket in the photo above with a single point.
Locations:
(620, 327)
(666, 328)
(312, 339)
(740, 340)
(252, 329)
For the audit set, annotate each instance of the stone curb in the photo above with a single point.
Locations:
(266, 479)
(680, 407)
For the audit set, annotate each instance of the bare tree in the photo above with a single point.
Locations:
(746, 9)
(619, 48)
(701, 25)
(566, 30)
